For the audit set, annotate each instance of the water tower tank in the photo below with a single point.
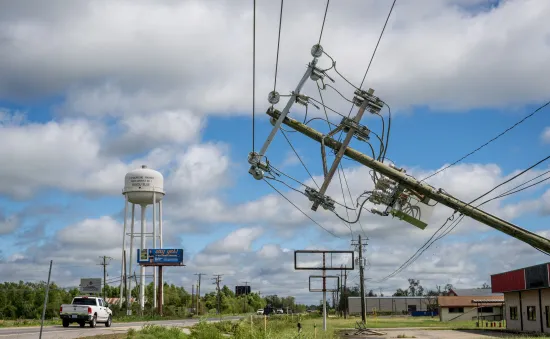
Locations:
(140, 184)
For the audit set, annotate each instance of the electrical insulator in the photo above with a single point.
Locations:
(316, 74)
(317, 51)
(273, 97)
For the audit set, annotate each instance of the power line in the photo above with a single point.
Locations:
(454, 223)
(254, 77)
(324, 19)
(278, 45)
(298, 208)
(299, 158)
(377, 43)
(488, 142)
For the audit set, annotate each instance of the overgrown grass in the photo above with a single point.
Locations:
(276, 327)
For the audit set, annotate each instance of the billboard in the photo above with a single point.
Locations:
(242, 290)
(90, 285)
(160, 257)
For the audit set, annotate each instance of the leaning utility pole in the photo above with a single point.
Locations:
(417, 187)
(359, 245)
(217, 280)
(104, 264)
(199, 292)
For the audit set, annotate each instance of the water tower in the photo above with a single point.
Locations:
(143, 187)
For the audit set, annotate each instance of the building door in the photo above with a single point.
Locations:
(411, 308)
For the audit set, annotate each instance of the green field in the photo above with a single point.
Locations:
(283, 327)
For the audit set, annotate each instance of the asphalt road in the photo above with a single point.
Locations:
(75, 331)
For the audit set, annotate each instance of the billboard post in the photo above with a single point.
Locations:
(159, 258)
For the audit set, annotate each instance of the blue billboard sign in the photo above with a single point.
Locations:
(160, 257)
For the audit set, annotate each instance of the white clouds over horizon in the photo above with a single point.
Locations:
(140, 82)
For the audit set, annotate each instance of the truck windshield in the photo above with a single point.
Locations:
(84, 301)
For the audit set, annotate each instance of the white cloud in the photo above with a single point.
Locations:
(237, 241)
(545, 136)
(142, 132)
(135, 56)
(8, 224)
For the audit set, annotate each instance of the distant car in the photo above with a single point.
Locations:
(260, 311)
(280, 311)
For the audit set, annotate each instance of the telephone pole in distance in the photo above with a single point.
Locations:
(104, 264)
(199, 292)
(360, 245)
(217, 279)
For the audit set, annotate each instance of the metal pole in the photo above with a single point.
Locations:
(422, 188)
(155, 268)
(161, 281)
(45, 300)
(324, 295)
(125, 272)
(340, 154)
(142, 268)
(122, 267)
(159, 295)
(291, 100)
(129, 290)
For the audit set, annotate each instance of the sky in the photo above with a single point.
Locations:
(94, 89)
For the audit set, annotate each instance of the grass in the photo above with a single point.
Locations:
(117, 319)
(285, 327)
(278, 327)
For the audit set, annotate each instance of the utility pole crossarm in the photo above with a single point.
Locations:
(428, 191)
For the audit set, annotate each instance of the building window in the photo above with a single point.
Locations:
(531, 313)
(514, 312)
(486, 310)
(456, 309)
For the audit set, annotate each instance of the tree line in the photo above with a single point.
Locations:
(25, 300)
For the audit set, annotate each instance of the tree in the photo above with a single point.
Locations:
(371, 294)
(485, 285)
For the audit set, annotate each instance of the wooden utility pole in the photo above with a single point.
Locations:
(361, 279)
(199, 292)
(345, 294)
(217, 279)
(104, 263)
(427, 191)
(245, 299)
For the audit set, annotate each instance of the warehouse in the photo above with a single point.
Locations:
(395, 305)
(462, 308)
(527, 297)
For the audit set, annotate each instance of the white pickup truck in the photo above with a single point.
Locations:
(84, 310)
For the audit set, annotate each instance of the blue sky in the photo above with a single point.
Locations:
(190, 119)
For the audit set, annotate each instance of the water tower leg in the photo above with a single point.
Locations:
(142, 269)
(129, 291)
(154, 246)
(123, 251)
(161, 281)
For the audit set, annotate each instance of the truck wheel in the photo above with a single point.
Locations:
(82, 324)
(65, 322)
(109, 322)
(93, 323)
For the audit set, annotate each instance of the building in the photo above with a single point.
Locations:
(527, 297)
(461, 308)
(395, 305)
(474, 292)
